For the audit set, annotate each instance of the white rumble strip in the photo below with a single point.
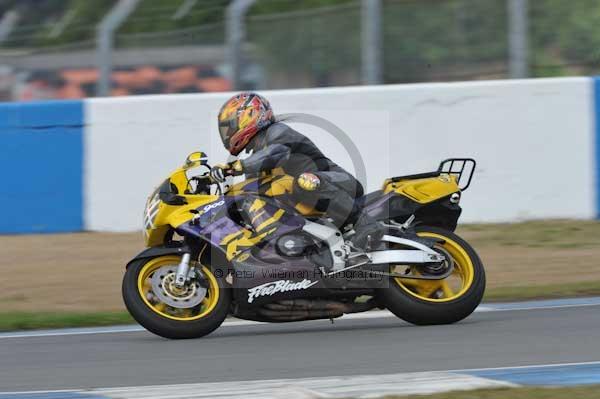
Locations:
(362, 386)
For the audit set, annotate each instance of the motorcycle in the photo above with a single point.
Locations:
(247, 251)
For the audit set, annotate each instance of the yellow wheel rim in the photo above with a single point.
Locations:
(145, 291)
(452, 287)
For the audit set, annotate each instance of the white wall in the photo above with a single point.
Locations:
(532, 140)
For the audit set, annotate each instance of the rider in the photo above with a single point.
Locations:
(246, 121)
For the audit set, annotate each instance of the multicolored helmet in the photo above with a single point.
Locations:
(241, 118)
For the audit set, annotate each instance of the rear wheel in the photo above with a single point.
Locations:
(154, 301)
(427, 302)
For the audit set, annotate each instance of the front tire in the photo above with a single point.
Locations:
(431, 302)
(168, 321)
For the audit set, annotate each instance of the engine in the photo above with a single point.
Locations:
(294, 245)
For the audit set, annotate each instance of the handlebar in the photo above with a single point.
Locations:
(207, 179)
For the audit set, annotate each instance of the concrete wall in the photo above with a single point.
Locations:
(534, 141)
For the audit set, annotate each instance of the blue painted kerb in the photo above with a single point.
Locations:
(558, 375)
(41, 157)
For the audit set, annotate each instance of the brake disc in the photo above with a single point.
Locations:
(163, 286)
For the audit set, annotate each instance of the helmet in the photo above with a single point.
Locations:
(241, 118)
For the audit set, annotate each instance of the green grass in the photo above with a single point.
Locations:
(10, 321)
(555, 234)
(579, 392)
(523, 293)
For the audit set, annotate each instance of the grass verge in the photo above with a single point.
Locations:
(551, 291)
(11, 321)
(578, 392)
(541, 234)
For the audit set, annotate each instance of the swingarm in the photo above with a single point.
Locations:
(419, 255)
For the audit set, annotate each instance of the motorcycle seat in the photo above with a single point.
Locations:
(369, 198)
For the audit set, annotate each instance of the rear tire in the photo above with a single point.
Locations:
(416, 309)
(166, 327)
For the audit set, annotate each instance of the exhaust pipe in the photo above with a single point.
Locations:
(312, 309)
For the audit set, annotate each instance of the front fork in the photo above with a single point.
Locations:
(183, 270)
(187, 268)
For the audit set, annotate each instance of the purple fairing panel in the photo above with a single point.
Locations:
(251, 186)
(211, 219)
(264, 276)
(218, 220)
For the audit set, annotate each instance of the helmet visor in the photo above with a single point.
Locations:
(226, 130)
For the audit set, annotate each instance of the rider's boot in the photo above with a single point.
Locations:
(368, 232)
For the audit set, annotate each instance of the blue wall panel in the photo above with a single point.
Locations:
(41, 162)
(597, 142)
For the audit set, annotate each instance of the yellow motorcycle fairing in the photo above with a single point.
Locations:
(160, 216)
(423, 190)
(174, 215)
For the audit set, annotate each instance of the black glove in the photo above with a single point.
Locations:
(219, 172)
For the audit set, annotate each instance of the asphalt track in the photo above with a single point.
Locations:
(378, 344)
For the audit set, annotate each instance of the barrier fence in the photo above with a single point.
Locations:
(188, 46)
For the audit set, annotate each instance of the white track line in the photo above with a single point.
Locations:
(484, 309)
(377, 314)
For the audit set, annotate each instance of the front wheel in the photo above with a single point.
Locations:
(159, 306)
(428, 302)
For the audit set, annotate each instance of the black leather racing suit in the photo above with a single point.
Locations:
(280, 146)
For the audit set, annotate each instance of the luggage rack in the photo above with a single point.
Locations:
(462, 168)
